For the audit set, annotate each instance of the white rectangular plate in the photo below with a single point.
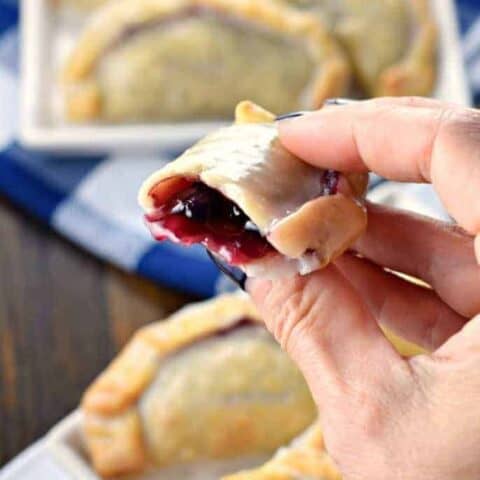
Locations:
(48, 35)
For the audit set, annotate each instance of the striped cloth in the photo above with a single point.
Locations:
(74, 196)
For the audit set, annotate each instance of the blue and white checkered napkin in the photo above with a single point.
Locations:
(92, 200)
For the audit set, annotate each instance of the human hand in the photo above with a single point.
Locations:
(386, 417)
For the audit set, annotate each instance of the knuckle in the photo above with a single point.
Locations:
(460, 121)
(287, 318)
(292, 313)
(296, 317)
(453, 159)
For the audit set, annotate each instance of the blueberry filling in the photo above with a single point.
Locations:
(203, 204)
(200, 214)
(191, 212)
(330, 182)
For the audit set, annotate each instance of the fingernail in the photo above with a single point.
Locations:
(329, 101)
(234, 274)
(339, 101)
(287, 116)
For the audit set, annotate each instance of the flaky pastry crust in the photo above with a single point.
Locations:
(148, 390)
(83, 96)
(415, 74)
(112, 425)
(351, 21)
(247, 163)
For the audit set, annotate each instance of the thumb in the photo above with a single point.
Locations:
(323, 324)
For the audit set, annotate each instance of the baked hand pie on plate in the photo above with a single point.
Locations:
(176, 60)
(391, 43)
(243, 196)
(208, 383)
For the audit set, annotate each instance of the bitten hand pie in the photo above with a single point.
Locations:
(148, 60)
(208, 383)
(392, 44)
(243, 196)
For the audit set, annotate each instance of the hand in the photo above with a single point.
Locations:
(384, 416)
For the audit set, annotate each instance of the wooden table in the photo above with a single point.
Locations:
(63, 316)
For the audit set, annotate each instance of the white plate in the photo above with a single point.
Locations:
(47, 36)
(61, 456)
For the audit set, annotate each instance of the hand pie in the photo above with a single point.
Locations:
(208, 383)
(149, 60)
(243, 196)
(392, 44)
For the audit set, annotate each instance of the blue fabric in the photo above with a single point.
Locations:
(91, 198)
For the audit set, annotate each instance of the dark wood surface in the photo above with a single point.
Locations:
(63, 316)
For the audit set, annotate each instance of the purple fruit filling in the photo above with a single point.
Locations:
(199, 214)
(188, 211)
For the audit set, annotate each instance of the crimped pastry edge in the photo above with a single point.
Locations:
(112, 426)
(415, 73)
(82, 95)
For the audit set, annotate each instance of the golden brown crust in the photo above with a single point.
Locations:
(333, 80)
(249, 112)
(115, 444)
(327, 225)
(84, 103)
(415, 74)
(112, 425)
(330, 79)
(120, 385)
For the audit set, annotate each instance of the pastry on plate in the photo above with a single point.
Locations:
(391, 43)
(179, 60)
(208, 383)
(243, 196)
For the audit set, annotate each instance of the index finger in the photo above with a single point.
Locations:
(413, 140)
